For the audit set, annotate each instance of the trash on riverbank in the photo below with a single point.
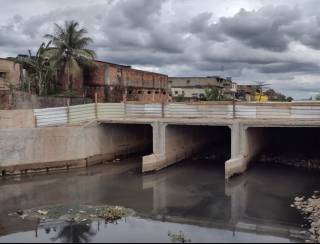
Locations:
(310, 208)
(178, 238)
(76, 213)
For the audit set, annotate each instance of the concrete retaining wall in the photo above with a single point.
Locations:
(33, 149)
(17, 119)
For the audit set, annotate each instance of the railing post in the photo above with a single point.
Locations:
(35, 121)
(234, 106)
(96, 105)
(125, 109)
(68, 111)
(162, 110)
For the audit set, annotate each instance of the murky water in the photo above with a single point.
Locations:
(190, 198)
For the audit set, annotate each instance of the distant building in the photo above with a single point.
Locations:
(118, 83)
(251, 93)
(247, 92)
(193, 88)
(10, 75)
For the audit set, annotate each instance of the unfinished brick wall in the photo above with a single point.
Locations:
(126, 84)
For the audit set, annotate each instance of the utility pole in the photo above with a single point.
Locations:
(234, 91)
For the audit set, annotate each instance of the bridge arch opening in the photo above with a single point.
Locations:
(177, 142)
(183, 141)
(294, 146)
(126, 140)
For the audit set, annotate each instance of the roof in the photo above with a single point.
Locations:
(130, 67)
(199, 77)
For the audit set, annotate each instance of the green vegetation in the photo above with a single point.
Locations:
(277, 97)
(41, 73)
(59, 60)
(69, 51)
(178, 238)
(317, 97)
(213, 94)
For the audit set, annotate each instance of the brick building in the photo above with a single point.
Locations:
(117, 83)
(10, 78)
(10, 74)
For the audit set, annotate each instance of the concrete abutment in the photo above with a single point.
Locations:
(43, 149)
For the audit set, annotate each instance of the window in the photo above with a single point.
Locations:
(130, 92)
(157, 92)
(149, 92)
(164, 93)
(139, 92)
(176, 92)
(3, 75)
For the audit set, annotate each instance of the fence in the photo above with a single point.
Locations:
(104, 111)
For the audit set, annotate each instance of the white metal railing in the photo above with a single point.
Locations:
(104, 111)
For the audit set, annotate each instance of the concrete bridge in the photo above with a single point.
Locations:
(96, 132)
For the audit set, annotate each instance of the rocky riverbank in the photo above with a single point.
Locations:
(310, 208)
(296, 160)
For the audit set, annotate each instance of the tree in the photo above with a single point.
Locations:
(318, 97)
(275, 96)
(290, 99)
(69, 51)
(39, 70)
(213, 94)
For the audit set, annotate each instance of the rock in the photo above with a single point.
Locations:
(42, 212)
(299, 199)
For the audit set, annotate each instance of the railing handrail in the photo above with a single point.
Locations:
(99, 111)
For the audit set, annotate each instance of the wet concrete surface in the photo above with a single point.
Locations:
(191, 197)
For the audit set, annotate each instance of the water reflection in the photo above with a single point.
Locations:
(193, 192)
(74, 233)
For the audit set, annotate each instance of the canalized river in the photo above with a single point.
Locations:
(190, 199)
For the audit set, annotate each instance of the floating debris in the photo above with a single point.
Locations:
(76, 214)
(178, 238)
(41, 212)
(112, 214)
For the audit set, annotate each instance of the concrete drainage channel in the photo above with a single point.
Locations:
(41, 150)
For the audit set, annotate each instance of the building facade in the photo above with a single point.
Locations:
(10, 75)
(193, 88)
(120, 83)
(251, 93)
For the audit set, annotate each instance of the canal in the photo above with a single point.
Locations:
(190, 199)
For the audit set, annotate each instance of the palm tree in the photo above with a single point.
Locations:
(39, 69)
(69, 51)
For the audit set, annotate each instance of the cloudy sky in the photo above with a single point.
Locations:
(249, 40)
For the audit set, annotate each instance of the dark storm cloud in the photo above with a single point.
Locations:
(290, 67)
(135, 14)
(248, 44)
